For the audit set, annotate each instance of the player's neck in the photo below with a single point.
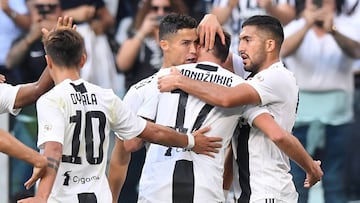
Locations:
(63, 74)
(268, 64)
(209, 59)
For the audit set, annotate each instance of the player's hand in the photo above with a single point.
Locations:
(168, 82)
(265, 4)
(38, 172)
(207, 29)
(204, 144)
(65, 22)
(2, 78)
(32, 200)
(4, 5)
(315, 176)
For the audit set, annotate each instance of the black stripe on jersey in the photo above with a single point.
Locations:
(201, 117)
(270, 200)
(79, 88)
(243, 161)
(206, 67)
(87, 198)
(183, 182)
(180, 116)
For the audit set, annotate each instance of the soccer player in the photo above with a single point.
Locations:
(262, 157)
(75, 135)
(179, 48)
(178, 175)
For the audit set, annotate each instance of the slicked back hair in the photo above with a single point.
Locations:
(171, 23)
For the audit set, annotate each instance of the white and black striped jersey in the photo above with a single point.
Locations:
(177, 175)
(80, 115)
(263, 170)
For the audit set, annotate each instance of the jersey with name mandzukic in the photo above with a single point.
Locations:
(7, 98)
(79, 115)
(177, 175)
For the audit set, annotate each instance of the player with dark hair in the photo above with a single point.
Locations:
(75, 135)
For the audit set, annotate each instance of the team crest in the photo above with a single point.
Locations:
(47, 127)
(259, 78)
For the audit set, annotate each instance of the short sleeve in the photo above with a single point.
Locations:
(7, 98)
(268, 86)
(51, 126)
(125, 123)
(252, 111)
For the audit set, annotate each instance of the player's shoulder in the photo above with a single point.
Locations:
(277, 69)
(186, 66)
(6, 88)
(146, 81)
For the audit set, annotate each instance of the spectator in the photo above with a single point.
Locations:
(319, 48)
(14, 19)
(93, 21)
(140, 56)
(232, 13)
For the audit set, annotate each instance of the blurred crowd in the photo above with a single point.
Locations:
(321, 47)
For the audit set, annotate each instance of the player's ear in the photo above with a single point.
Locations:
(49, 61)
(82, 60)
(270, 45)
(164, 44)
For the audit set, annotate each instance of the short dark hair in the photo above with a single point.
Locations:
(221, 51)
(171, 23)
(65, 47)
(269, 24)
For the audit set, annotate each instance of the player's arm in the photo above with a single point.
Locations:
(196, 141)
(291, 146)
(30, 92)
(53, 152)
(119, 163)
(13, 147)
(133, 144)
(211, 93)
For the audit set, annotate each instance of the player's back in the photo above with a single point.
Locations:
(81, 117)
(186, 113)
